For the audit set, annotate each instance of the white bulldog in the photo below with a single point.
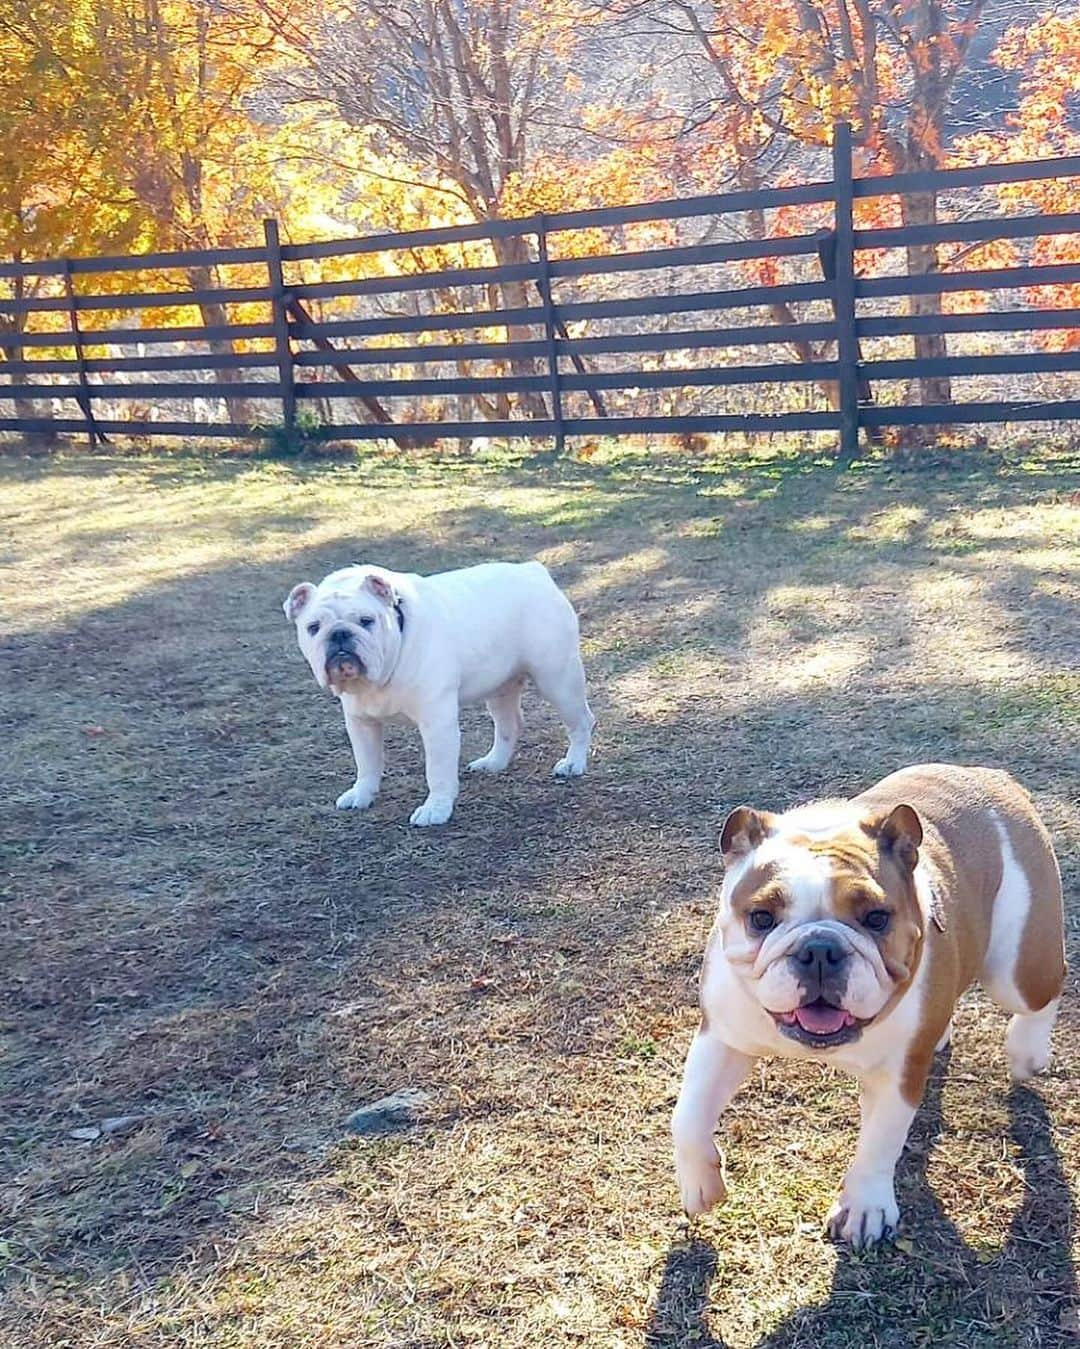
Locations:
(397, 645)
(846, 932)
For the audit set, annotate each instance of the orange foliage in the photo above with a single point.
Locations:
(1046, 56)
(136, 124)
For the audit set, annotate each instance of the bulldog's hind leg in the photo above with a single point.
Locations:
(563, 685)
(505, 708)
(1027, 1041)
(1024, 969)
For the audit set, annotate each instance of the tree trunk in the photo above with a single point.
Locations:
(215, 315)
(920, 208)
(924, 150)
(497, 407)
(780, 311)
(515, 295)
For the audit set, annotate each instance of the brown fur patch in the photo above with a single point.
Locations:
(940, 956)
(744, 829)
(855, 895)
(958, 807)
(759, 888)
(1040, 961)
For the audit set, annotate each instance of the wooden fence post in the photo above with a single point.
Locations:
(280, 300)
(94, 435)
(826, 248)
(847, 346)
(544, 283)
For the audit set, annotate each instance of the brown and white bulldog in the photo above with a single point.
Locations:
(846, 932)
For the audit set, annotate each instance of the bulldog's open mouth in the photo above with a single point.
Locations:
(819, 1023)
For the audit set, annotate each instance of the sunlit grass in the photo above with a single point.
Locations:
(195, 937)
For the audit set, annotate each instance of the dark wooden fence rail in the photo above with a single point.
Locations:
(291, 327)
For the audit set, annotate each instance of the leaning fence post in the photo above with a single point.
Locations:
(847, 346)
(543, 281)
(279, 300)
(83, 399)
(826, 248)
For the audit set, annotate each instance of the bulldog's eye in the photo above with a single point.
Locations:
(762, 920)
(313, 628)
(877, 920)
(367, 622)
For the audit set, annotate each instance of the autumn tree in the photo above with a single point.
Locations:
(763, 82)
(56, 194)
(1044, 57)
(150, 125)
(152, 139)
(456, 91)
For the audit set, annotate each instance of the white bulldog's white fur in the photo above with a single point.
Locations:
(421, 646)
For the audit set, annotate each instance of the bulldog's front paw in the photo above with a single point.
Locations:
(435, 810)
(865, 1213)
(570, 766)
(359, 796)
(701, 1183)
(489, 763)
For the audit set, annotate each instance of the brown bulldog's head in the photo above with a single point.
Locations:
(819, 915)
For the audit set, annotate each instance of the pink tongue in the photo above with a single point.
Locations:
(822, 1020)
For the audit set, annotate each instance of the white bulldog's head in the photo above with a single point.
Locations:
(349, 626)
(819, 915)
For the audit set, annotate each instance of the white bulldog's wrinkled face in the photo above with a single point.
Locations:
(347, 627)
(819, 915)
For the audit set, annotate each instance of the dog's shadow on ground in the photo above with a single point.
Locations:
(1026, 1293)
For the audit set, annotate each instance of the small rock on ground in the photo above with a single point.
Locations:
(120, 1124)
(388, 1114)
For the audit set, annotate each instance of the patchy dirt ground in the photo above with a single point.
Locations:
(193, 937)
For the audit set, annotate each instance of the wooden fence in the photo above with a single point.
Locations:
(549, 364)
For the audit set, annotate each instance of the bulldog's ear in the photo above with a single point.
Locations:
(381, 587)
(297, 599)
(743, 830)
(900, 832)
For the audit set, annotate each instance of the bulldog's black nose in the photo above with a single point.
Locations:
(339, 637)
(824, 953)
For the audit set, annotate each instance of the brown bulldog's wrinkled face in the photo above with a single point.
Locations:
(819, 915)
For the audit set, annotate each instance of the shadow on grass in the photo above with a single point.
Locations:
(188, 917)
(940, 1291)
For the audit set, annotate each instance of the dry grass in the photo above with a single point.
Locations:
(194, 936)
